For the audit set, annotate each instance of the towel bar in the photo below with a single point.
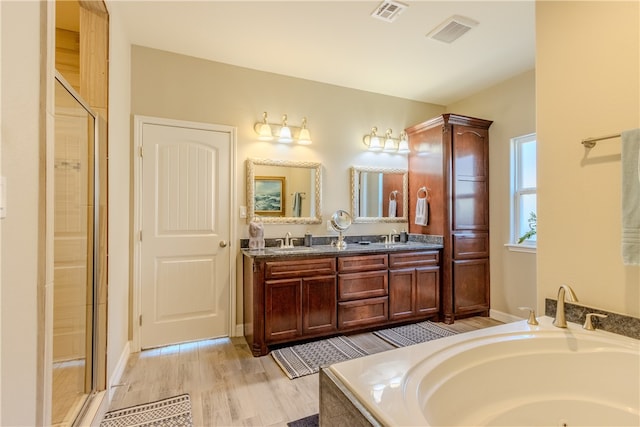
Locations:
(591, 142)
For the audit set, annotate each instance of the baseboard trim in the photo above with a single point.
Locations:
(95, 411)
(114, 380)
(239, 331)
(503, 317)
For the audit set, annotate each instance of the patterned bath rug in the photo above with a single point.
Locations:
(402, 336)
(172, 412)
(305, 359)
(310, 421)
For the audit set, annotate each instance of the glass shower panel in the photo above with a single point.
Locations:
(73, 288)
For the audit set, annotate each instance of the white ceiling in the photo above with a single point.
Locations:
(338, 42)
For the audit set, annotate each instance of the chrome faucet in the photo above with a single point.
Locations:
(392, 236)
(561, 321)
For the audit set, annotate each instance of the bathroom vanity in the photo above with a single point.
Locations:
(304, 293)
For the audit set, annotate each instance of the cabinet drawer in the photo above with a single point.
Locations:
(364, 312)
(362, 285)
(413, 259)
(470, 245)
(362, 263)
(299, 268)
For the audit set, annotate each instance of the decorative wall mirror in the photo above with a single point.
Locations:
(379, 194)
(284, 192)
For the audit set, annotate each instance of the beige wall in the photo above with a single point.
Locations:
(587, 84)
(511, 106)
(21, 135)
(119, 203)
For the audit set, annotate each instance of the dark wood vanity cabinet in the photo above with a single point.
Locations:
(287, 300)
(299, 306)
(450, 158)
(363, 289)
(414, 285)
(293, 299)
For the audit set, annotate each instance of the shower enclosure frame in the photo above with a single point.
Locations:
(94, 233)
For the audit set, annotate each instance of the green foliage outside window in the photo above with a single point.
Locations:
(533, 222)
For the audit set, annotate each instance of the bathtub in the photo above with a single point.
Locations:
(507, 375)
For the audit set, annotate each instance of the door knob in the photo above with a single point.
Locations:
(223, 244)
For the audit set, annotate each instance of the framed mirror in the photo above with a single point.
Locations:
(379, 194)
(284, 192)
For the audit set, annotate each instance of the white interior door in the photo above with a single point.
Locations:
(184, 260)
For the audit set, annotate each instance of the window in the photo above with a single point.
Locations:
(523, 190)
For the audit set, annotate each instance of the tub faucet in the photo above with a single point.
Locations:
(561, 321)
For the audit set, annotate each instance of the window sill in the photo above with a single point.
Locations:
(513, 247)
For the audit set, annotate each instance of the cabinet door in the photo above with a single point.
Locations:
(319, 305)
(401, 293)
(470, 178)
(427, 290)
(283, 318)
(471, 285)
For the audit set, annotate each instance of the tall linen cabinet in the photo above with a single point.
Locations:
(449, 165)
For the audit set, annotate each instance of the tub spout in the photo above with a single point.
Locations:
(561, 321)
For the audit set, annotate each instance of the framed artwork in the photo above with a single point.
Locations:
(269, 195)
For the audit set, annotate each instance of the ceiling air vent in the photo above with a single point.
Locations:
(452, 29)
(389, 10)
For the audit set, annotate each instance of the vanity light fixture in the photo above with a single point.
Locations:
(372, 140)
(281, 132)
(285, 132)
(304, 138)
(390, 145)
(264, 129)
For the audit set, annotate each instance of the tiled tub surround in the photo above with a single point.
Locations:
(512, 374)
(614, 322)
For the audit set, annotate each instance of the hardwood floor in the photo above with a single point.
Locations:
(230, 387)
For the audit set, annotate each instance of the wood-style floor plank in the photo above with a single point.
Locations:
(230, 387)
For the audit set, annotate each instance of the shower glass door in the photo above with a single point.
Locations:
(74, 255)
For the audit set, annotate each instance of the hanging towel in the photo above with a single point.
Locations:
(631, 197)
(392, 208)
(422, 211)
(297, 205)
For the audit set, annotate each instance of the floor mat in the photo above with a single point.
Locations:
(402, 336)
(305, 359)
(174, 411)
(310, 421)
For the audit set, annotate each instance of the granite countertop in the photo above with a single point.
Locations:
(351, 249)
